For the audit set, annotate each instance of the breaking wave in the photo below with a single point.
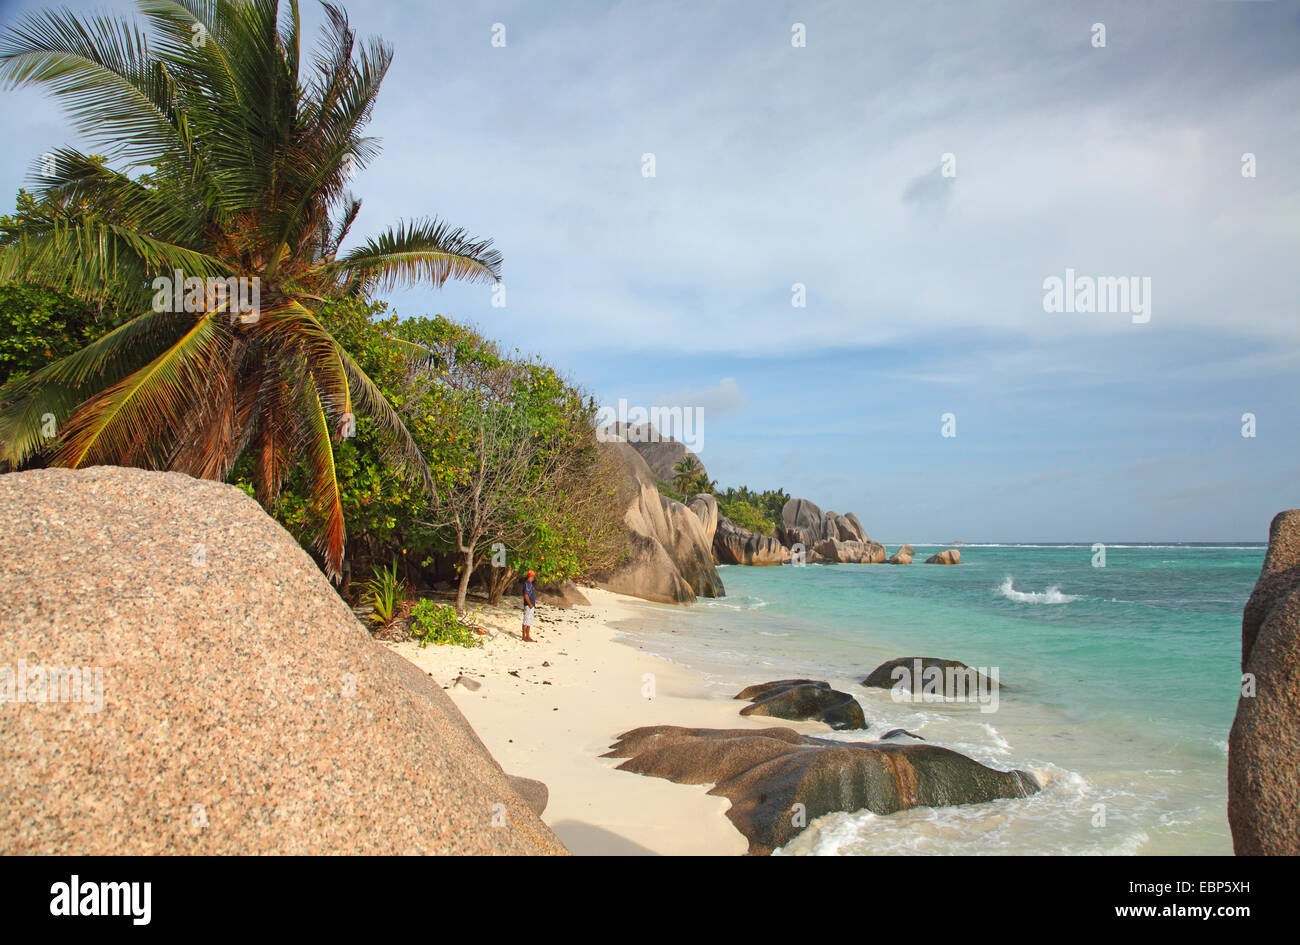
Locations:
(1052, 595)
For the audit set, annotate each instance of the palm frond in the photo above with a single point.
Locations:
(129, 423)
(315, 445)
(116, 92)
(50, 394)
(428, 251)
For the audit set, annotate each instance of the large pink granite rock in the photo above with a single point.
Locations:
(1264, 745)
(244, 709)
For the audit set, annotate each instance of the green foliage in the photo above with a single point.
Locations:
(689, 477)
(744, 515)
(231, 158)
(384, 592)
(439, 624)
(561, 522)
(38, 326)
(766, 506)
(668, 490)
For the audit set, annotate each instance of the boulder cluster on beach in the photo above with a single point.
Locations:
(675, 546)
(778, 779)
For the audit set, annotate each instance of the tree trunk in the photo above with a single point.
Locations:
(466, 571)
(498, 582)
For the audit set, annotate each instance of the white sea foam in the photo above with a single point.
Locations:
(1052, 595)
(1001, 743)
(736, 603)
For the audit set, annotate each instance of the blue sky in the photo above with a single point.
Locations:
(822, 165)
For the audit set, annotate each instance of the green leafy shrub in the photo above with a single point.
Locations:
(743, 514)
(438, 624)
(385, 592)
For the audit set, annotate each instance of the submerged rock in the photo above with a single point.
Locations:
(766, 772)
(763, 690)
(897, 732)
(804, 700)
(1264, 745)
(884, 676)
(951, 556)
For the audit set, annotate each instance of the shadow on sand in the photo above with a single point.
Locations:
(583, 839)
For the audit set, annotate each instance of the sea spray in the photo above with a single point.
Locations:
(1052, 595)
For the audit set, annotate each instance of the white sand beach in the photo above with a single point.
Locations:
(549, 710)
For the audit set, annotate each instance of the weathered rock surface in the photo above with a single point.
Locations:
(803, 700)
(535, 793)
(902, 556)
(735, 545)
(244, 709)
(802, 522)
(883, 676)
(660, 451)
(834, 551)
(849, 528)
(565, 595)
(765, 772)
(705, 507)
(759, 690)
(670, 559)
(898, 733)
(1264, 745)
(951, 556)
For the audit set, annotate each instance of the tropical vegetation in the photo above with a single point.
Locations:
(225, 157)
(412, 450)
(441, 626)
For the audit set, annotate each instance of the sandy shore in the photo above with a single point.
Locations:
(548, 710)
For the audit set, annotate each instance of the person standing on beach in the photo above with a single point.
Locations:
(530, 601)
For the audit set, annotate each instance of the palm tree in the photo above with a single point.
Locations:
(230, 163)
(686, 472)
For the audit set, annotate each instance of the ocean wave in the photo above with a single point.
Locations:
(736, 603)
(1052, 595)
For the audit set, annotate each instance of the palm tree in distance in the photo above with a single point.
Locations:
(230, 163)
(686, 473)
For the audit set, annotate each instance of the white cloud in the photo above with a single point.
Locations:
(724, 396)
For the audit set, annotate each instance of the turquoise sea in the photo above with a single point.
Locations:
(1121, 683)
